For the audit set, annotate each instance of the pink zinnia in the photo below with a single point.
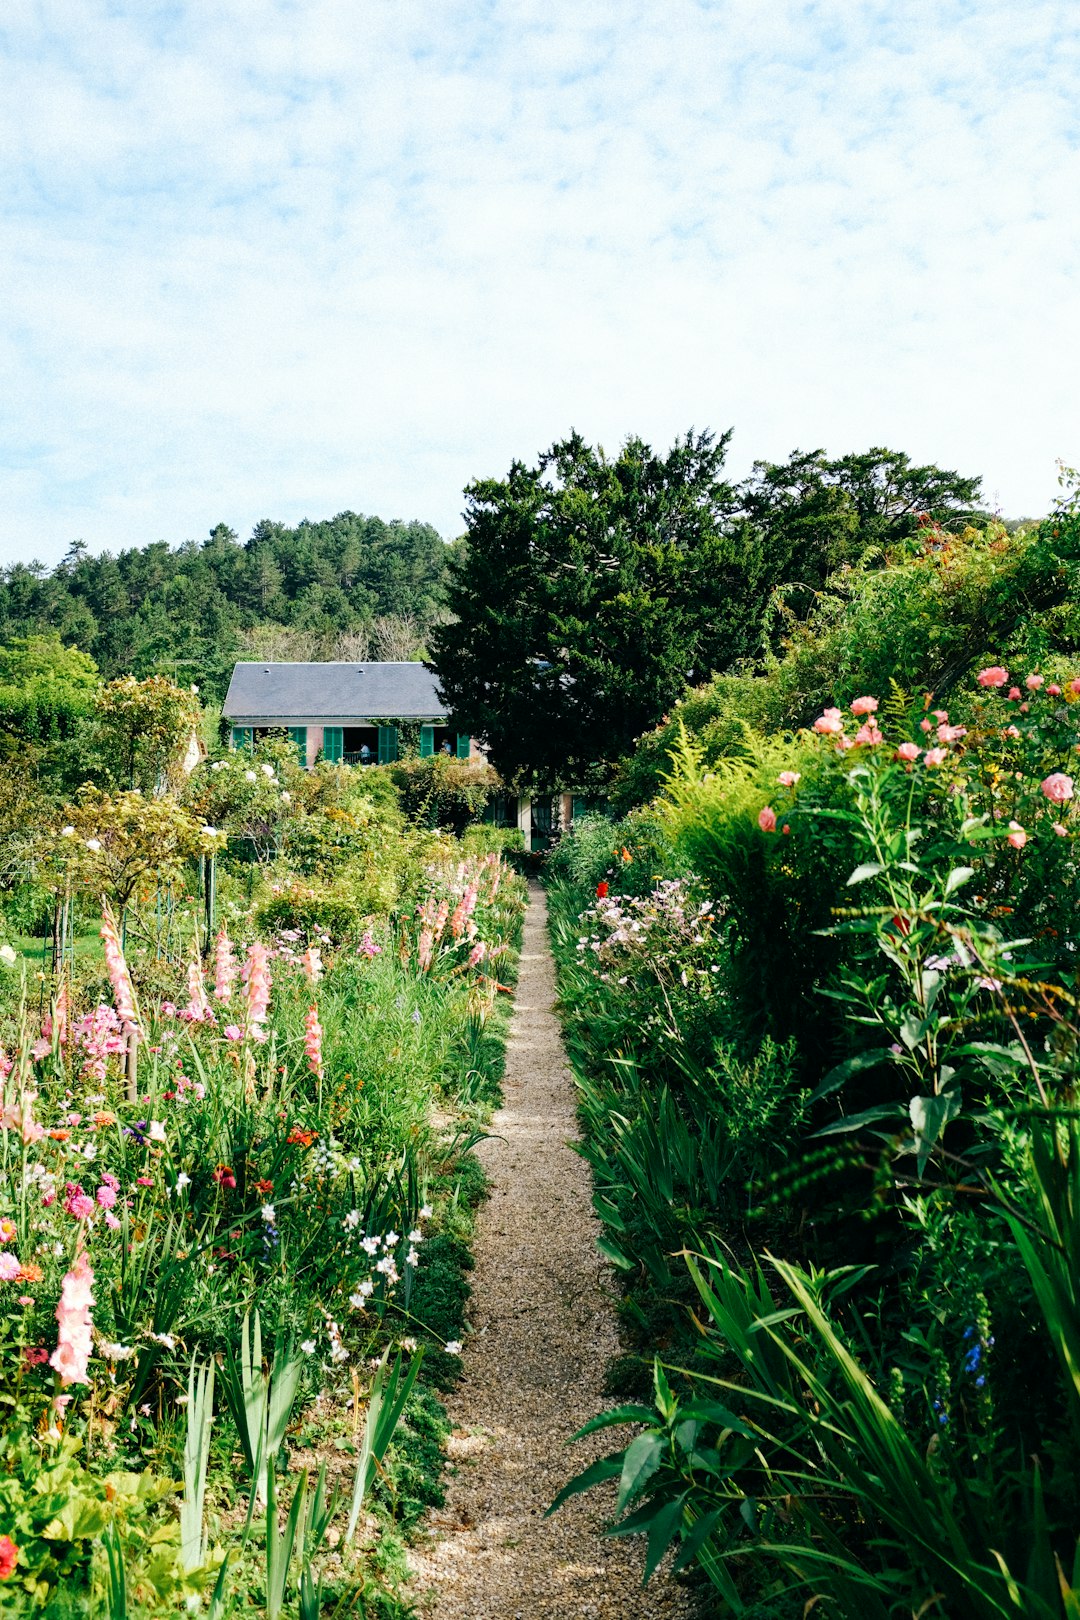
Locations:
(1017, 835)
(106, 1197)
(869, 734)
(909, 751)
(1033, 682)
(313, 1041)
(864, 705)
(994, 675)
(9, 1267)
(829, 722)
(788, 778)
(225, 968)
(767, 819)
(119, 977)
(74, 1343)
(936, 756)
(1058, 787)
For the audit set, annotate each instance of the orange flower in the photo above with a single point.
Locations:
(104, 1118)
(300, 1138)
(30, 1273)
(60, 1136)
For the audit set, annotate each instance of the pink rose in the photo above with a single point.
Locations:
(1017, 835)
(1062, 832)
(829, 722)
(941, 716)
(1074, 688)
(1053, 690)
(1033, 682)
(1013, 694)
(767, 819)
(948, 734)
(936, 756)
(864, 705)
(788, 778)
(869, 734)
(1010, 731)
(909, 751)
(926, 725)
(843, 743)
(993, 676)
(1057, 787)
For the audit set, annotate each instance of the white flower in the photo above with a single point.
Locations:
(183, 1180)
(8, 955)
(67, 832)
(268, 1214)
(89, 1152)
(164, 1338)
(210, 832)
(370, 1245)
(409, 1345)
(249, 776)
(267, 770)
(453, 1347)
(308, 1346)
(156, 1133)
(391, 1239)
(356, 1301)
(412, 1258)
(352, 1219)
(117, 1352)
(195, 689)
(367, 1288)
(93, 844)
(218, 765)
(416, 1236)
(426, 1213)
(286, 798)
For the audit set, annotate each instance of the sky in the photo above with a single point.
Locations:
(285, 258)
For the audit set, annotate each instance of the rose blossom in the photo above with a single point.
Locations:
(831, 721)
(788, 778)
(1033, 682)
(909, 751)
(1057, 787)
(936, 756)
(1017, 835)
(869, 734)
(1013, 694)
(767, 819)
(864, 705)
(992, 676)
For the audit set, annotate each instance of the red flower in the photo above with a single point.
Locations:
(9, 1555)
(601, 890)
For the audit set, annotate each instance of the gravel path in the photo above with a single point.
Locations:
(543, 1329)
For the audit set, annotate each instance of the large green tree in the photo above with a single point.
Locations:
(588, 593)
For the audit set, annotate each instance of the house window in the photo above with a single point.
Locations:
(333, 744)
(464, 745)
(360, 745)
(298, 735)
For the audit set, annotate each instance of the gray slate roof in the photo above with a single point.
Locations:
(294, 694)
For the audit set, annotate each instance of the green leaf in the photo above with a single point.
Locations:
(642, 1458)
(854, 1122)
(868, 869)
(852, 1065)
(596, 1474)
(662, 1532)
(929, 1116)
(958, 876)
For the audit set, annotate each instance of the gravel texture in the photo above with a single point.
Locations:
(542, 1330)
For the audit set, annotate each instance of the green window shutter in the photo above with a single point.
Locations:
(333, 744)
(298, 735)
(388, 750)
(577, 807)
(427, 741)
(464, 743)
(241, 738)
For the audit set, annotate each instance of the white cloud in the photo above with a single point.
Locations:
(278, 259)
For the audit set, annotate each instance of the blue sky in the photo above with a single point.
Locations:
(279, 258)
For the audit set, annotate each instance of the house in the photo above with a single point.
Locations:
(352, 714)
(356, 714)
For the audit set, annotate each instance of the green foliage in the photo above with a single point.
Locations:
(443, 791)
(588, 591)
(46, 688)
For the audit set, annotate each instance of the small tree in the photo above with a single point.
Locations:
(144, 730)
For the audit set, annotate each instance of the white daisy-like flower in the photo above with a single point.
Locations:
(308, 1346)
(268, 1214)
(453, 1347)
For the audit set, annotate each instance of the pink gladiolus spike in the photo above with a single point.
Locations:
(225, 967)
(74, 1343)
(311, 962)
(257, 973)
(198, 1006)
(313, 1041)
(119, 977)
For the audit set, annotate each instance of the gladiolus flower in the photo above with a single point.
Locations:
(1017, 835)
(74, 1343)
(1033, 682)
(311, 962)
(909, 751)
(788, 778)
(257, 973)
(936, 756)
(830, 722)
(225, 968)
(869, 735)
(313, 1041)
(1058, 787)
(994, 675)
(233, 1032)
(119, 977)
(767, 819)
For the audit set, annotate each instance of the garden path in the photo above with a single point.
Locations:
(543, 1328)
